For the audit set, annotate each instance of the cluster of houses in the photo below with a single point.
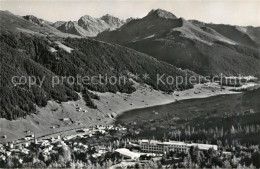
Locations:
(47, 145)
(9, 149)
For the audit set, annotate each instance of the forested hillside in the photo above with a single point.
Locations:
(27, 55)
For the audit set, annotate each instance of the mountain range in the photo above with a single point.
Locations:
(86, 26)
(32, 47)
(208, 49)
(159, 43)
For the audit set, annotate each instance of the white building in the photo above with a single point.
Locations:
(128, 154)
(154, 146)
(203, 146)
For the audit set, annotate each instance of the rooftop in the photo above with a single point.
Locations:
(200, 146)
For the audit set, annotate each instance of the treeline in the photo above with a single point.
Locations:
(219, 136)
(224, 131)
(196, 158)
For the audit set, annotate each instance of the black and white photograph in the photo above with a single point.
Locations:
(118, 84)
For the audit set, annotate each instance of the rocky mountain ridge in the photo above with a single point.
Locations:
(208, 49)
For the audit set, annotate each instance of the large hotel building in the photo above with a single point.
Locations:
(154, 146)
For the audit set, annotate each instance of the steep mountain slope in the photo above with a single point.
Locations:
(129, 19)
(58, 24)
(12, 23)
(254, 33)
(112, 21)
(73, 28)
(154, 24)
(207, 49)
(88, 26)
(243, 35)
(47, 57)
(36, 20)
(92, 25)
(20, 100)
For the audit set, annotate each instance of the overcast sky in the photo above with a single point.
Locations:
(234, 12)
